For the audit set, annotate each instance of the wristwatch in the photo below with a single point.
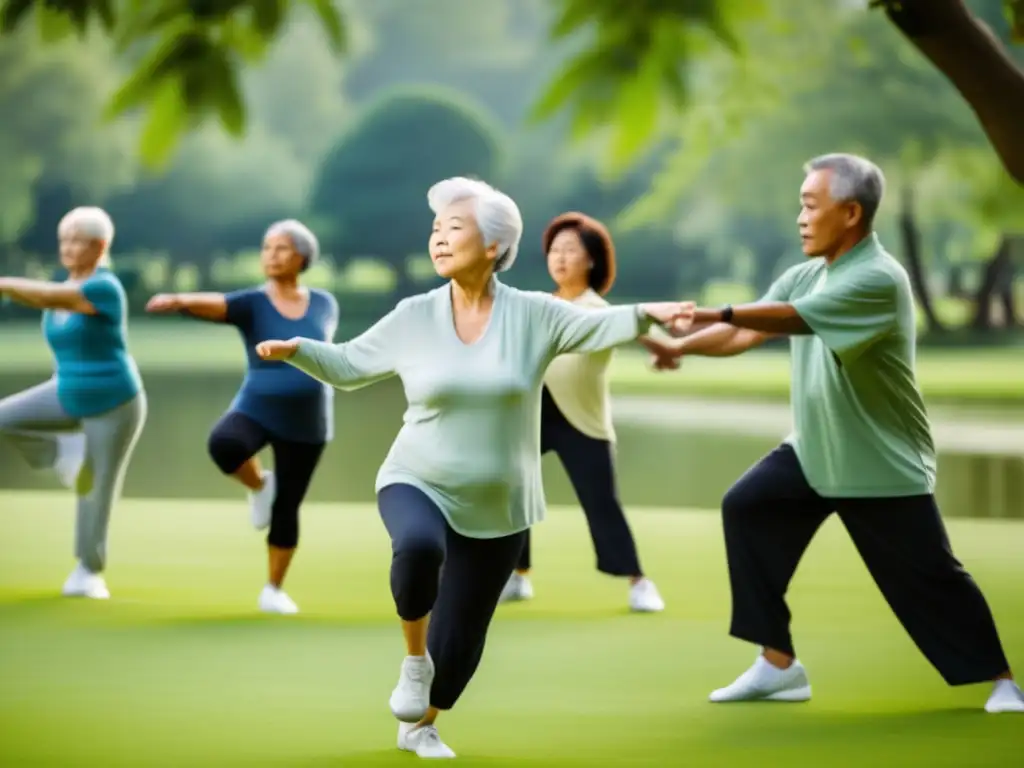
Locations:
(727, 313)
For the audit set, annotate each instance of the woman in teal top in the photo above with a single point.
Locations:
(462, 482)
(84, 422)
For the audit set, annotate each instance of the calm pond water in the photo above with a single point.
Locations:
(657, 466)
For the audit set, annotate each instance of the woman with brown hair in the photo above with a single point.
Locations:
(576, 420)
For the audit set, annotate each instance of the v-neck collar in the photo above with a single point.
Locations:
(497, 291)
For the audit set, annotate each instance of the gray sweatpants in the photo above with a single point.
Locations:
(33, 421)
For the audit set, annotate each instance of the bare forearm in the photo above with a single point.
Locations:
(778, 318)
(23, 291)
(720, 340)
(43, 294)
(204, 306)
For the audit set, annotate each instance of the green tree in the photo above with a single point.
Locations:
(298, 93)
(640, 54)
(369, 197)
(734, 176)
(49, 99)
(635, 60)
(189, 53)
(217, 195)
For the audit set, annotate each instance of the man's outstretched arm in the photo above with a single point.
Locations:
(770, 317)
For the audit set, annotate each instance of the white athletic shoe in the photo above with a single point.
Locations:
(1006, 697)
(274, 600)
(644, 597)
(70, 458)
(411, 697)
(765, 682)
(84, 583)
(261, 502)
(424, 740)
(518, 587)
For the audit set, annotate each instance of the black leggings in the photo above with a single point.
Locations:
(588, 463)
(770, 516)
(455, 579)
(236, 438)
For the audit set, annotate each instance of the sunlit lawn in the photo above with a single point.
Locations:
(177, 669)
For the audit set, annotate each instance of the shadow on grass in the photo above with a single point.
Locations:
(42, 605)
(230, 621)
(783, 728)
(395, 757)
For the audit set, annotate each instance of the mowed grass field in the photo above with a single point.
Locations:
(971, 375)
(178, 669)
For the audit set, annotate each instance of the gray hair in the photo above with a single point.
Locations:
(303, 240)
(854, 179)
(497, 214)
(92, 222)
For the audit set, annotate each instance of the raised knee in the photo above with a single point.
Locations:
(420, 551)
(414, 576)
(735, 503)
(227, 451)
(7, 415)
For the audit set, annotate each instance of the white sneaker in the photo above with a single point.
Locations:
(274, 600)
(411, 697)
(1006, 697)
(70, 458)
(261, 502)
(644, 597)
(518, 587)
(765, 682)
(424, 740)
(84, 583)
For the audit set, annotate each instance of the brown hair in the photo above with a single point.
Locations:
(597, 242)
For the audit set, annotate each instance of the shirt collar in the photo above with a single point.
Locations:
(865, 249)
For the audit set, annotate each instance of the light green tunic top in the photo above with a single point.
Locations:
(471, 433)
(860, 425)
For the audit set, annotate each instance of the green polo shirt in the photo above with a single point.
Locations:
(860, 428)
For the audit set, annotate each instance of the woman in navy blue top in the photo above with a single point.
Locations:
(277, 405)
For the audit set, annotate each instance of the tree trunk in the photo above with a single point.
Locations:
(910, 236)
(956, 288)
(994, 277)
(764, 268)
(967, 52)
(1008, 302)
(1007, 294)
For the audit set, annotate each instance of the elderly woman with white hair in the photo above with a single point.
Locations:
(462, 482)
(85, 421)
(277, 405)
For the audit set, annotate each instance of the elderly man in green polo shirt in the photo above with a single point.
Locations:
(861, 447)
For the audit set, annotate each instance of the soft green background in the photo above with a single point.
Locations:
(192, 371)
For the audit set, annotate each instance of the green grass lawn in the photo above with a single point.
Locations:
(984, 376)
(178, 669)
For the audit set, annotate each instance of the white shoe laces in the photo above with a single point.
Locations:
(417, 672)
(429, 735)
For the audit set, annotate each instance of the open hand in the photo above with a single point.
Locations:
(277, 350)
(163, 302)
(665, 362)
(677, 316)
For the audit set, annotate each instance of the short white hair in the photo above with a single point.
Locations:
(303, 240)
(497, 214)
(91, 222)
(854, 179)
